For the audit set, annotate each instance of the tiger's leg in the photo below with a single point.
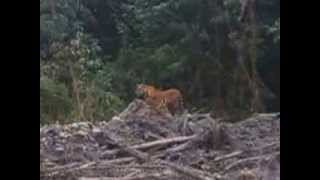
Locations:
(157, 105)
(163, 110)
(151, 102)
(161, 104)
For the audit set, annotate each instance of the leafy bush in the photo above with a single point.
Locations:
(84, 81)
(95, 52)
(55, 103)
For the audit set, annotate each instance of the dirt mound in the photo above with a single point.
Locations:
(142, 144)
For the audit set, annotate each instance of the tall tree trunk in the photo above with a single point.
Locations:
(76, 90)
(52, 7)
(248, 19)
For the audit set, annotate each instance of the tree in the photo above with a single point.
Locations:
(219, 53)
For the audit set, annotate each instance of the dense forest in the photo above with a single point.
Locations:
(224, 55)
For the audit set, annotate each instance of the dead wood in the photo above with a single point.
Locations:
(246, 161)
(162, 142)
(228, 156)
(188, 171)
(191, 172)
(138, 147)
(140, 177)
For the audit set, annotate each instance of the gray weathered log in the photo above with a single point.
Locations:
(162, 142)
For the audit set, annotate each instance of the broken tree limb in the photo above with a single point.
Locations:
(161, 142)
(127, 159)
(133, 166)
(269, 115)
(190, 143)
(242, 161)
(140, 177)
(119, 160)
(100, 164)
(188, 171)
(181, 147)
(64, 167)
(69, 168)
(228, 156)
(130, 150)
(238, 153)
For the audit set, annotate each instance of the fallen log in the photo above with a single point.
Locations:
(246, 160)
(162, 142)
(140, 177)
(188, 171)
(228, 156)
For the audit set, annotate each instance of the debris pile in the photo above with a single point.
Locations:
(140, 144)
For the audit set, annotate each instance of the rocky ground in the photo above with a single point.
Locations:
(140, 144)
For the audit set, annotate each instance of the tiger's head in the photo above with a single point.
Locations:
(143, 90)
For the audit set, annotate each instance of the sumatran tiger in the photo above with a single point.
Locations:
(170, 98)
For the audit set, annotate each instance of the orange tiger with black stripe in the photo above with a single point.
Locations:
(170, 98)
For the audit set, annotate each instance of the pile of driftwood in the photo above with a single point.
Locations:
(140, 144)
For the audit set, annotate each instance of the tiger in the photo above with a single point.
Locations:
(170, 99)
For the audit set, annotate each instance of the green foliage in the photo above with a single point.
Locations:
(99, 50)
(55, 104)
(85, 79)
(58, 22)
(275, 30)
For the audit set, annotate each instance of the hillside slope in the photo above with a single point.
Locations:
(140, 144)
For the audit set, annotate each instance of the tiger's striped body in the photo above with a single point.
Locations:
(170, 99)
